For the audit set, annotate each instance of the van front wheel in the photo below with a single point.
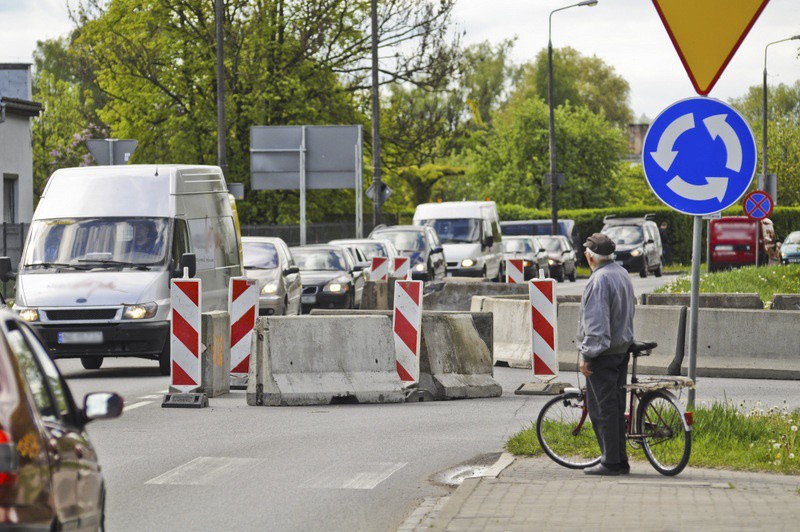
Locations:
(91, 362)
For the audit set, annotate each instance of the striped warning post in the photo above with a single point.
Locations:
(186, 299)
(406, 324)
(402, 268)
(544, 332)
(242, 305)
(379, 270)
(515, 271)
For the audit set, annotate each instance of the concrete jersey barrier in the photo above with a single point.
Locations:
(512, 329)
(785, 302)
(727, 301)
(216, 356)
(312, 360)
(458, 295)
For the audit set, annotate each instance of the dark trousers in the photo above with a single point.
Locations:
(606, 404)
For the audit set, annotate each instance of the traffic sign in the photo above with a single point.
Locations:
(707, 33)
(758, 205)
(111, 151)
(699, 156)
(386, 192)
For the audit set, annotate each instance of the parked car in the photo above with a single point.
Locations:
(328, 280)
(470, 234)
(359, 272)
(269, 261)
(531, 251)
(790, 249)
(560, 257)
(50, 477)
(370, 248)
(420, 244)
(639, 248)
(732, 243)
(541, 228)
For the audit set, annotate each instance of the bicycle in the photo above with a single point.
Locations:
(663, 429)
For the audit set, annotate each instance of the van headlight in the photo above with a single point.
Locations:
(552, 262)
(270, 288)
(29, 314)
(139, 312)
(636, 252)
(467, 263)
(337, 286)
(420, 267)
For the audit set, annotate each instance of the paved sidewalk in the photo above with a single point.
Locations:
(536, 493)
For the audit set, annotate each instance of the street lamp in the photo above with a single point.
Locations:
(764, 115)
(553, 180)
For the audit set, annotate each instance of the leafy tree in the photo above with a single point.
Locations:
(486, 76)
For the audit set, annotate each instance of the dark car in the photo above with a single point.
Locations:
(531, 251)
(561, 257)
(328, 277)
(421, 245)
(540, 228)
(49, 475)
(639, 249)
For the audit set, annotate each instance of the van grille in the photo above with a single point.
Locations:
(81, 314)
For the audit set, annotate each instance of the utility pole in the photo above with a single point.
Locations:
(222, 158)
(376, 120)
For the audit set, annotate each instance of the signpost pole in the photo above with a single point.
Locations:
(694, 304)
(110, 151)
(359, 188)
(303, 187)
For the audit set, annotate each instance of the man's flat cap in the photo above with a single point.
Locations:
(600, 244)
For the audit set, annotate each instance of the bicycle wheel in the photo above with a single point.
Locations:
(667, 444)
(565, 432)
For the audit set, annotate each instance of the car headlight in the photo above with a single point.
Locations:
(420, 267)
(270, 288)
(337, 286)
(551, 262)
(636, 252)
(527, 263)
(139, 312)
(467, 263)
(29, 314)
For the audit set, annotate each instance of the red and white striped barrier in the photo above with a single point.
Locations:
(407, 327)
(544, 334)
(242, 308)
(379, 270)
(515, 271)
(402, 268)
(186, 299)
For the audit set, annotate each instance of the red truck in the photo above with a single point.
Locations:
(732, 243)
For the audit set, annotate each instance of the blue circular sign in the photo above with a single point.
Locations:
(699, 156)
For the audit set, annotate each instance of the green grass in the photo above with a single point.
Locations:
(765, 281)
(584, 271)
(725, 436)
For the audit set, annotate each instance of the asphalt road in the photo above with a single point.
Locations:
(339, 467)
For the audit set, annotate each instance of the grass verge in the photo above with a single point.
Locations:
(766, 281)
(725, 436)
(584, 271)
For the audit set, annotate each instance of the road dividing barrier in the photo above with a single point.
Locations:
(512, 329)
(379, 269)
(544, 335)
(406, 326)
(216, 356)
(402, 268)
(186, 298)
(242, 307)
(515, 271)
(314, 360)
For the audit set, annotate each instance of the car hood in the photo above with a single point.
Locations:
(790, 249)
(414, 256)
(318, 278)
(108, 288)
(459, 252)
(518, 255)
(627, 247)
(263, 276)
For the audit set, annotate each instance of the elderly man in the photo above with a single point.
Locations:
(605, 332)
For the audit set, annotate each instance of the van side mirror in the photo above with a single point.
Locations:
(6, 274)
(437, 250)
(489, 242)
(651, 241)
(188, 260)
(291, 270)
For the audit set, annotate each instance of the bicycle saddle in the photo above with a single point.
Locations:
(641, 349)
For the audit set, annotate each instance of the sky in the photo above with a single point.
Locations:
(626, 34)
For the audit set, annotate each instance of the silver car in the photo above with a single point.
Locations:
(269, 261)
(370, 248)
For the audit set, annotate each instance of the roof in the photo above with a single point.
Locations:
(417, 228)
(20, 107)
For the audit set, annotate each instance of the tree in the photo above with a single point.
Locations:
(486, 76)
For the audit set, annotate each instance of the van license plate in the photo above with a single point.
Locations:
(82, 337)
(308, 300)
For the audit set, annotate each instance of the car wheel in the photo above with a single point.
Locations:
(574, 275)
(165, 360)
(285, 306)
(659, 271)
(561, 275)
(91, 362)
(102, 524)
(644, 271)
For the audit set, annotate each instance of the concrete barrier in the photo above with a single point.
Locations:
(377, 295)
(512, 329)
(313, 360)
(728, 301)
(457, 295)
(785, 302)
(216, 355)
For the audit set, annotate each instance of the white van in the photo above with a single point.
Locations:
(470, 235)
(105, 241)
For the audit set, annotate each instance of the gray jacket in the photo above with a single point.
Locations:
(606, 321)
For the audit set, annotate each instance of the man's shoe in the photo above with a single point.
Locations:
(601, 470)
(624, 468)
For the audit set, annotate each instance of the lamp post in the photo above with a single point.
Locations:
(764, 116)
(553, 181)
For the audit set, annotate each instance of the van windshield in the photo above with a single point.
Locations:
(517, 245)
(86, 243)
(456, 230)
(625, 235)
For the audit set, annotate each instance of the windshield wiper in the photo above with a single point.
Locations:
(107, 262)
(55, 265)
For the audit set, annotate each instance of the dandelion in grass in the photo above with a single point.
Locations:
(794, 428)
(776, 445)
(791, 456)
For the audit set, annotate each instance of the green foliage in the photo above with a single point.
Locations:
(766, 281)
(487, 75)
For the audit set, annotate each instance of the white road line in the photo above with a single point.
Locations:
(203, 470)
(162, 392)
(134, 406)
(151, 397)
(355, 475)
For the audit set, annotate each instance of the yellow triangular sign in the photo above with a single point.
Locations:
(706, 34)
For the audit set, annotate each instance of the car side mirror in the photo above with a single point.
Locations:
(357, 268)
(188, 261)
(437, 250)
(650, 241)
(542, 250)
(102, 405)
(291, 270)
(6, 274)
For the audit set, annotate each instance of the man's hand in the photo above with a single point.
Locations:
(585, 368)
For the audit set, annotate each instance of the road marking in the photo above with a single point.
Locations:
(151, 397)
(134, 406)
(355, 475)
(203, 470)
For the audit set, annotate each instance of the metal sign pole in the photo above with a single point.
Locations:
(758, 230)
(694, 304)
(303, 187)
(110, 152)
(359, 188)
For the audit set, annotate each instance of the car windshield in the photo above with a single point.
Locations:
(328, 260)
(404, 240)
(369, 249)
(625, 235)
(258, 255)
(552, 244)
(457, 230)
(83, 243)
(517, 245)
(793, 238)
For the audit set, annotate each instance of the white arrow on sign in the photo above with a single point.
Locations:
(714, 188)
(664, 155)
(718, 127)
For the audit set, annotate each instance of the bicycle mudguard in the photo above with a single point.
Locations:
(681, 409)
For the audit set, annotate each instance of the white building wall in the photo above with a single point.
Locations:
(16, 158)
